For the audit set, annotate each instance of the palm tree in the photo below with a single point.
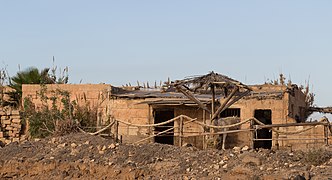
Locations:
(29, 76)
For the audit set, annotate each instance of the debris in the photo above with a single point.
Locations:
(75, 158)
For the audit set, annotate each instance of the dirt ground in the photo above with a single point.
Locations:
(81, 156)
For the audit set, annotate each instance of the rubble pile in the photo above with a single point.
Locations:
(82, 156)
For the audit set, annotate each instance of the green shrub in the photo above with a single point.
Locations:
(45, 121)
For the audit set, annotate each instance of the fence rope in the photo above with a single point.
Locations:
(226, 126)
(221, 127)
(152, 136)
(298, 131)
(150, 125)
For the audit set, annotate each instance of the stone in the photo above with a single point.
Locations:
(225, 166)
(7, 122)
(216, 167)
(269, 169)
(37, 140)
(111, 146)
(225, 158)
(236, 149)
(74, 152)
(51, 158)
(62, 145)
(73, 145)
(222, 163)
(245, 148)
(187, 145)
(9, 128)
(1, 134)
(87, 142)
(188, 169)
(16, 121)
(101, 152)
(103, 148)
(117, 171)
(18, 126)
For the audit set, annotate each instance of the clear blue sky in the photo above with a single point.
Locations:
(123, 41)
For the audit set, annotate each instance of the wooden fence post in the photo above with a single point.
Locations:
(326, 135)
(116, 131)
(180, 131)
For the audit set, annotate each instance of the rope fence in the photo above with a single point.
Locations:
(185, 120)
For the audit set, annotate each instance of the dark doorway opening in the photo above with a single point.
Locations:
(264, 116)
(162, 115)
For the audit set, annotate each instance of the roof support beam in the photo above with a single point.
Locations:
(222, 106)
(192, 97)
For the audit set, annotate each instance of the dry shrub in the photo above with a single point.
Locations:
(317, 156)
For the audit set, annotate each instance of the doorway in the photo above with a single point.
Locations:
(162, 115)
(264, 116)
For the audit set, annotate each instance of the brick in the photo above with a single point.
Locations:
(4, 117)
(16, 120)
(15, 112)
(16, 126)
(9, 128)
(15, 117)
(7, 141)
(1, 134)
(16, 139)
(7, 122)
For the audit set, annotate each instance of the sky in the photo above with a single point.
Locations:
(118, 42)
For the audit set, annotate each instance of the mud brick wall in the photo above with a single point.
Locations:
(10, 126)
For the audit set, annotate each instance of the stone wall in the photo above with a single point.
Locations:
(10, 126)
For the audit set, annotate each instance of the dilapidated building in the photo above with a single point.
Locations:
(182, 112)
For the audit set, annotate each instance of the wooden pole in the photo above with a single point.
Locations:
(116, 131)
(180, 130)
(150, 121)
(222, 106)
(212, 130)
(204, 137)
(277, 139)
(213, 89)
(192, 97)
(326, 136)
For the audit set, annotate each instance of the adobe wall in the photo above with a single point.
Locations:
(190, 128)
(312, 138)
(93, 93)
(297, 105)
(133, 112)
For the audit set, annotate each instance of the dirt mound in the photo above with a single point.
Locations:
(81, 156)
